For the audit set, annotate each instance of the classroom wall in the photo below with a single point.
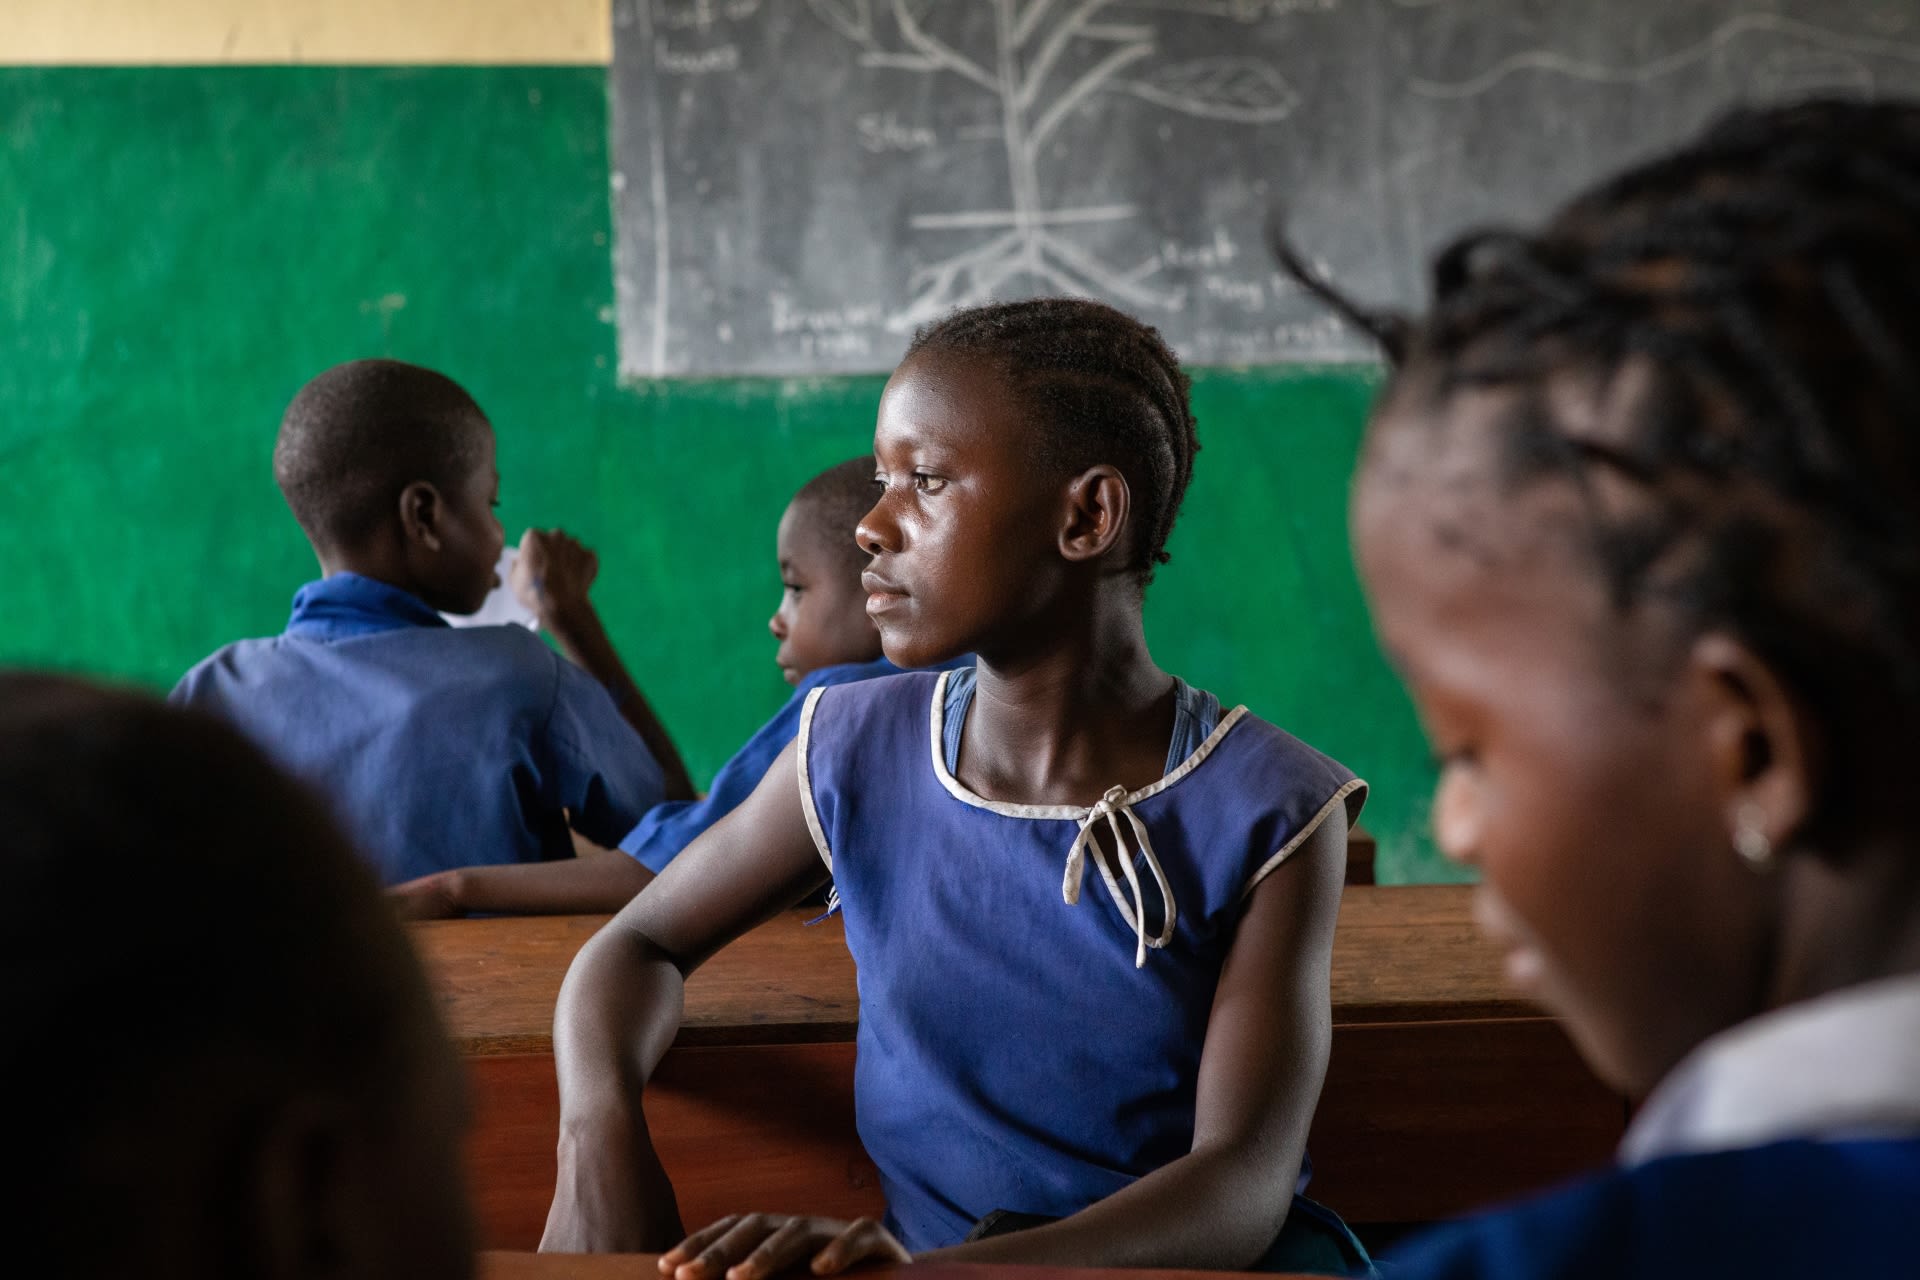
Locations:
(182, 246)
(313, 32)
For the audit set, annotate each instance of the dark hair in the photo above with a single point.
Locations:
(360, 433)
(1744, 313)
(186, 942)
(832, 504)
(1105, 388)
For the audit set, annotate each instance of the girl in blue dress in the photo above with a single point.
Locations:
(1092, 910)
(1639, 517)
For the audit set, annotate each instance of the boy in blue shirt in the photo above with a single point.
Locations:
(441, 749)
(825, 638)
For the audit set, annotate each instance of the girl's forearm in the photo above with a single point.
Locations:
(604, 881)
(618, 1013)
(1210, 1210)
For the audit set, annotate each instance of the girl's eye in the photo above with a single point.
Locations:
(928, 484)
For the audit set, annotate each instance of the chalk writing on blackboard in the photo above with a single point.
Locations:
(799, 185)
(1832, 58)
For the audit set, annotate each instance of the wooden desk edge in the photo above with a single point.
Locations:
(691, 1036)
(843, 1032)
(836, 1021)
(505, 1265)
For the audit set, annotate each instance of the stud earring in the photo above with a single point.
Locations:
(1749, 841)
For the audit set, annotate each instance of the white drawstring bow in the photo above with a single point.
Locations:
(1113, 807)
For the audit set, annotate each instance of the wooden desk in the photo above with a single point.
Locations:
(1444, 1091)
(641, 1266)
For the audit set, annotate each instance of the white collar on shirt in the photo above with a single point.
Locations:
(1842, 1065)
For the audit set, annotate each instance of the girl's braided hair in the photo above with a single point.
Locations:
(1747, 311)
(1103, 387)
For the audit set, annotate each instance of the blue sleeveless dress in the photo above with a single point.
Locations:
(1032, 1009)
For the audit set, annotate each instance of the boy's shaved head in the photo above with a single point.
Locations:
(360, 433)
(191, 961)
(830, 505)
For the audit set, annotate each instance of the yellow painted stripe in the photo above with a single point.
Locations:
(289, 32)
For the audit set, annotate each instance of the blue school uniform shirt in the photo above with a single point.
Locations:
(1784, 1148)
(668, 828)
(438, 747)
(1016, 1051)
(1786, 1211)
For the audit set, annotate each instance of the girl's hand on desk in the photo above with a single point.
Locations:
(611, 1195)
(758, 1245)
(430, 897)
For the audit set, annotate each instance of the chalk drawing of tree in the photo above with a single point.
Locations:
(1047, 59)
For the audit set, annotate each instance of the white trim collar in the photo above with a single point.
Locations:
(1841, 1065)
(1074, 813)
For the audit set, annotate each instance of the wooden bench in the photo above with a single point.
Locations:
(1444, 1091)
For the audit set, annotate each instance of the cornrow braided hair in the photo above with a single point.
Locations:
(1104, 388)
(1745, 312)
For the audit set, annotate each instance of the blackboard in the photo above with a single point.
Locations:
(799, 183)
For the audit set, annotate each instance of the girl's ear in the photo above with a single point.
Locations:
(1098, 504)
(1765, 750)
(421, 511)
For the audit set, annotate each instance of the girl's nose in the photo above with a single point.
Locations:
(778, 624)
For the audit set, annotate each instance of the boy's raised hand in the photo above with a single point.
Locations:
(756, 1246)
(552, 574)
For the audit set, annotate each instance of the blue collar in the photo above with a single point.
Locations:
(347, 605)
(847, 673)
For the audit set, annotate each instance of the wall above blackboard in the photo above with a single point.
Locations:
(798, 185)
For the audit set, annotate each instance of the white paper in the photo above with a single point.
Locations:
(502, 607)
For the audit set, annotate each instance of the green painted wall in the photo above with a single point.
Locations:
(181, 248)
